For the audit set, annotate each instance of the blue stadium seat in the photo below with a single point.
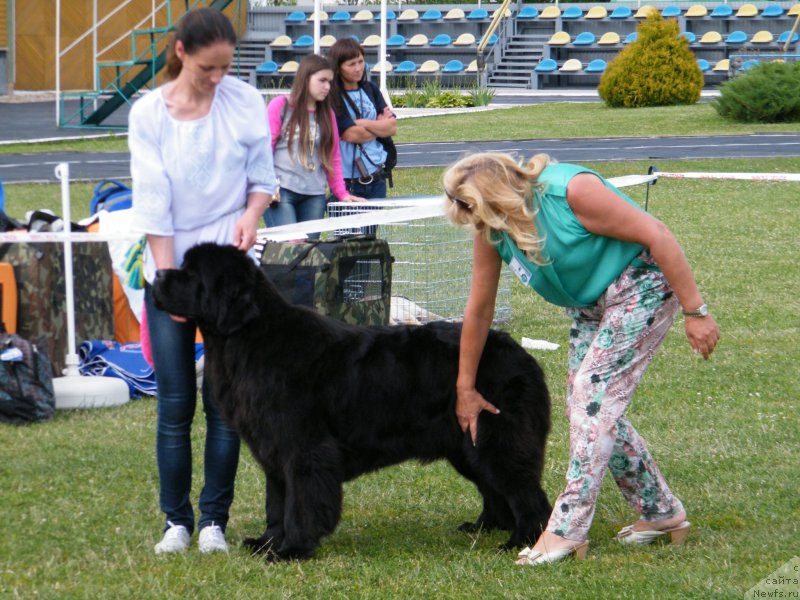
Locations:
(492, 40)
(584, 38)
(572, 12)
(749, 64)
(527, 12)
(297, 16)
(390, 16)
(703, 64)
(721, 11)
(772, 10)
(736, 37)
(340, 16)
(304, 41)
(631, 37)
(689, 36)
(407, 66)
(353, 36)
(395, 40)
(598, 65)
(441, 40)
(621, 12)
(671, 11)
(548, 65)
(269, 66)
(453, 66)
(784, 37)
(432, 14)
(477, 14)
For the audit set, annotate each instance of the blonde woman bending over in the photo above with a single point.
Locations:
(582, 244)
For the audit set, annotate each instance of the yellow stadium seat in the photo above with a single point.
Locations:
(723, 65)
(322, 16)
(408, 14)
(363, 16)
(596, 12)
(376, 68)
(762, 37)
(472, 67)
(609, 38)
(371, 41)
(465, 39)
(711, 37)
(429, 66)
(645, 11)
(571, 65)
(559, 38)
(453, 14)
(747, 10)
(282, 41)
(794, 11)
(418, 39)
(550, 12)
(696, 10)
(326, 41)
(505, 14)
(290, 66)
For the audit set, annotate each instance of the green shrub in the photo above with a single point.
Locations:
(766, 93)
(449, 99)
(658, 69)
(481, 95)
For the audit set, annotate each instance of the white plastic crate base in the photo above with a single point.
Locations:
(432, 264)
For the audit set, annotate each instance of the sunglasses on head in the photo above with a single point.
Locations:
(461, 203)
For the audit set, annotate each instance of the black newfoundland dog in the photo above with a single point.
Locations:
(320, 402)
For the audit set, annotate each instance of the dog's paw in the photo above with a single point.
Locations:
(469, 527)
(257, 545)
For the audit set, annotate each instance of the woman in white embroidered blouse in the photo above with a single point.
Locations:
(202, 171)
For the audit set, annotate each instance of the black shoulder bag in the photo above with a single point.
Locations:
(386, 142)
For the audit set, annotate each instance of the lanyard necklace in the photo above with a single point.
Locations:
(311, 143)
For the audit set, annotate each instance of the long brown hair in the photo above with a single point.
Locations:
(299, 121)
(342, 50)
(490, 191)
(198, 28)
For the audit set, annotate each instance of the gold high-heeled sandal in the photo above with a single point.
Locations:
(534, 557)
(677, 534)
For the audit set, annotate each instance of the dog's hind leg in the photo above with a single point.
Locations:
(273, 535)
(531, 511)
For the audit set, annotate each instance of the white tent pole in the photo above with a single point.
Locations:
(62, 173)
(58, 62)
(382, 51)
(317, 26)
(95, 79)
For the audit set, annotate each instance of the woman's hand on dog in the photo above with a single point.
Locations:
(469, 404)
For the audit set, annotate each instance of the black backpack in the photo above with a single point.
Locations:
(26, 382)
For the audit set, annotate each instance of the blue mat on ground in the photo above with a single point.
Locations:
(104, 358)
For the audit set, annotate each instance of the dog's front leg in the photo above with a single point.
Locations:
(313, 500)
(275, 503)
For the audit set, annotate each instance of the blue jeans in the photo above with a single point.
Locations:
(295, 208)
(376, 189)
(173, 349)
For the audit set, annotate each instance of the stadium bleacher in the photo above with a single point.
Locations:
(441, 40)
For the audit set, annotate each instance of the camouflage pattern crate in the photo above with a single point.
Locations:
(349, 280)
(42, 302)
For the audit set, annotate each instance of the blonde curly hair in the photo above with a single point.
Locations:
(490, 191)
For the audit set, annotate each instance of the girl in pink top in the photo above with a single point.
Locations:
(305, 144)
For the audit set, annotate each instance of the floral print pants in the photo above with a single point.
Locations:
(611, 345)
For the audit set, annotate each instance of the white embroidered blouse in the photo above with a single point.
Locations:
(191, 178)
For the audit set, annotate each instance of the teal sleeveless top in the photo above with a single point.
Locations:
(579, 265)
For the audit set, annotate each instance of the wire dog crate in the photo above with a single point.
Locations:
(432, 265)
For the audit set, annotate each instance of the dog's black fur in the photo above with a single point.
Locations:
(321, 402)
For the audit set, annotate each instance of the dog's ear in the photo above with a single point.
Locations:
(229, 298)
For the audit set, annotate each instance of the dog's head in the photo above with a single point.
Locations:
(215, 286)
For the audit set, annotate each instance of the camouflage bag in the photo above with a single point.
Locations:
(42, 303)
(349, 280)
(26, 382)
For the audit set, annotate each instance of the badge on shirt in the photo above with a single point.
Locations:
(520, 270)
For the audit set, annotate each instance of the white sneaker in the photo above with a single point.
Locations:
(212, 539)
(176, 539)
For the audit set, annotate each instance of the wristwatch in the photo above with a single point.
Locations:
(699, 312)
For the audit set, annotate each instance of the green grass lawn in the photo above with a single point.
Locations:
(80, 493)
